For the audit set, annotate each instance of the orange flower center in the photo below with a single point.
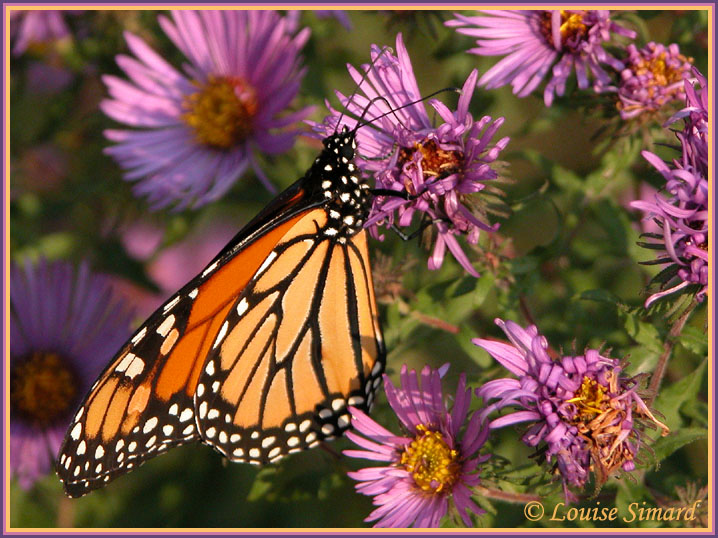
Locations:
(663, 74)
(221, 111)
(42, 387)
(435, 162)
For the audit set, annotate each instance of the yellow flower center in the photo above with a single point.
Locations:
(590, 400)
(42, 387)
(221, 112)
(433, 465)
(435, 162)
(572, 26)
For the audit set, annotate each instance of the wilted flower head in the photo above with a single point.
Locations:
(429, 464)
(653, 77)
(683, 219)
(694, 137)
(432, 169)
(35, 27)
(197, 131)
(534, 42)
(582, 407)
(64, 325)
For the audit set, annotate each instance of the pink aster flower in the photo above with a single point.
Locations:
(34, 27)
(682, 243)
(694, 136)
(431, 463)
(196, 131)
(653, 77)
(536, 42)
(433, 169)
(582, 410)
(64, 326)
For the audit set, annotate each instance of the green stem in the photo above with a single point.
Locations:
(671, 339)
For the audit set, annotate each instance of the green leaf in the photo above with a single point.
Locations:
(617, 228)
(600, 296)
(484, 286)
(697, 412)
(479, 356)
(694, 340)
(262, 484)
(672, 397)
(289, 482)
(640, 359)
(450, 300)
(643, 333)
(567, 179)
(665, 446)
(524, 265)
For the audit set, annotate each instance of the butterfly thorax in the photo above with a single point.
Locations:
(346, 195)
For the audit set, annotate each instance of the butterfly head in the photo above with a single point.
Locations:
(343, 144)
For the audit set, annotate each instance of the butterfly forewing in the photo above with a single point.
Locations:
(129, 414)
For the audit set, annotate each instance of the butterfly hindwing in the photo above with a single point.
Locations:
(301, 343)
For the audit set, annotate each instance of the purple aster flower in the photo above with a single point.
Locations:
(198, 130)
(35, 27)
(582, 408)
(431, 463)
(64, 325)
(683, 219)
(534, 42)
(653, 77)
(432, 169)
(694, 137)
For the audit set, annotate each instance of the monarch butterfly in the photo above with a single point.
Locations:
(261, 353)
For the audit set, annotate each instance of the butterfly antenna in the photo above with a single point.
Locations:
(362, 123)
(361, 81)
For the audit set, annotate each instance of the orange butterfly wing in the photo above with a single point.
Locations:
(300, 344)
(142, 404)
